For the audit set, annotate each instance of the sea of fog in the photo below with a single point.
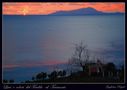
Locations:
(29, 40)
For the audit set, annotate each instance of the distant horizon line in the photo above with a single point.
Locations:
(65, 11)
(62, 15)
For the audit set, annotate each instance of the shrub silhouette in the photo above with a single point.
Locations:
(41, 76)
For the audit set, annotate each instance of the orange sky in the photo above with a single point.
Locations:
(48, 8)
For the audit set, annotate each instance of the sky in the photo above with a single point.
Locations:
(48, 8)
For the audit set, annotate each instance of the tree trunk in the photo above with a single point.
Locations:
(103, 73)
(83, 68)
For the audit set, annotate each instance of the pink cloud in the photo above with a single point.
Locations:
(11, 66)
(34, 64)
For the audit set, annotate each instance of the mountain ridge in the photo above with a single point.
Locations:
(83, 11)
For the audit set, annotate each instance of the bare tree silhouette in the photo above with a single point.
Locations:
(81, 56)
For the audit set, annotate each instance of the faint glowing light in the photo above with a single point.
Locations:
(25, 11)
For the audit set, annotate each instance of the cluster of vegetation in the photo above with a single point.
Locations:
(111, 75)
(44, 77)
(81, 59)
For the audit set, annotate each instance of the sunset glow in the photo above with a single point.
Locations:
(34, 64)
(48, 8)
(25, 11)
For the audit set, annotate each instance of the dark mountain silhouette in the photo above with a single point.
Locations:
(83, 11)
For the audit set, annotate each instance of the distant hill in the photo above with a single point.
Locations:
(83, 11)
